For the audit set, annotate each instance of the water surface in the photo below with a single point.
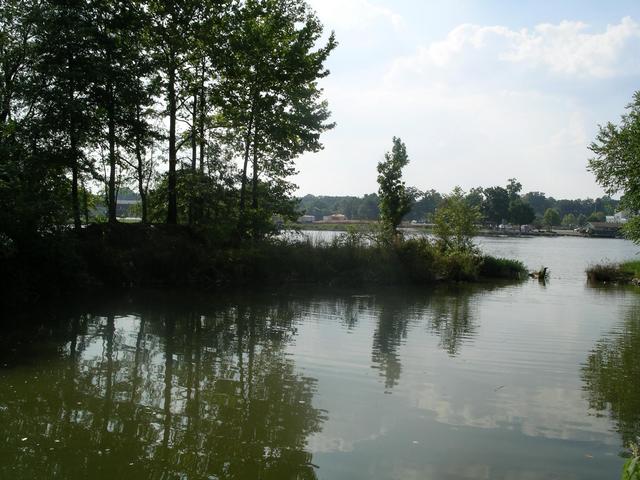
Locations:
(524, 381)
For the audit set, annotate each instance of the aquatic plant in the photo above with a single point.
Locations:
(631, 468)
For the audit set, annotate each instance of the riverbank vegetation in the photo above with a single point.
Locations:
(625, 272)
(138, 255)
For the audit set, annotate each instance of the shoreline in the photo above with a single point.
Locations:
(368, 226)
(155, 256)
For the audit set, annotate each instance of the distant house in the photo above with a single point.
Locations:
(306, 219)
(336, 217)
(603, 229)
(124, 207)
(618, 217)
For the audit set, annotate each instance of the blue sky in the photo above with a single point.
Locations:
(480, 91)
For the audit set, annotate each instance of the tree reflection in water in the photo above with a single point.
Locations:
(393, 321)
(611, 376)
(453, 318)
(163, 394)
(447, 312)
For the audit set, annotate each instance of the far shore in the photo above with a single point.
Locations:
(367, 225)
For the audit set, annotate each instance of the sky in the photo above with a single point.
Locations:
(479, 91)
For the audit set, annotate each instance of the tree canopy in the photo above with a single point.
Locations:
(99, 93)
(456, 222)
(616, 161)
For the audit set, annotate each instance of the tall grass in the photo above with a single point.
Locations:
(623, 272)
(357, 258)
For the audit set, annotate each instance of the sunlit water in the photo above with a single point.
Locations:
(525, 381)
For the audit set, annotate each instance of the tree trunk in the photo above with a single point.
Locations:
(85, 203)
(203, 115)
(194, 153)
(243, 185)
(140, 165)
(254, 186)
(111, 196)
(75, 200)
(5, 108)
(140, 174)
(172, 211)
(194, 133)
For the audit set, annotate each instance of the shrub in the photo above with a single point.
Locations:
(607, 272)
(494, 267)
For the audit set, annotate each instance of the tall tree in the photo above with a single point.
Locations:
(120, 67)
(551, 218)
(33, 185)
(140, 86)
(496, 204)
(395, 201)
(172, 38)
(270, 91)
(520, 213)
(66, 41)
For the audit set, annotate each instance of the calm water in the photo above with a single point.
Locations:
(526, 381)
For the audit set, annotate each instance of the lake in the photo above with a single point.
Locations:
(495, 381)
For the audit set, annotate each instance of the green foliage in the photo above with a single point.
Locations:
(425, 204)
(506, 268)
(520, 213)
(86, 87)
(354, 208)
(596, 217)
(495, 207)
(631, 229)
(616, 163)
(551, 218)
(456, 223)
(581, 220)
(569, 220)
(270, 94)
(395, 201)
(631, 468)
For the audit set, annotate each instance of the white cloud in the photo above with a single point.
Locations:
(354, 14)
(566, 49)
(478, 106)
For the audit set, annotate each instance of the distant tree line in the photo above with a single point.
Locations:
(200, 105)
(496, 204)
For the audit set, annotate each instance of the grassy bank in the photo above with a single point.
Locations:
(179, 256)
(625, 272)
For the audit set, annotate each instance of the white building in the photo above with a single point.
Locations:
(306, 219)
